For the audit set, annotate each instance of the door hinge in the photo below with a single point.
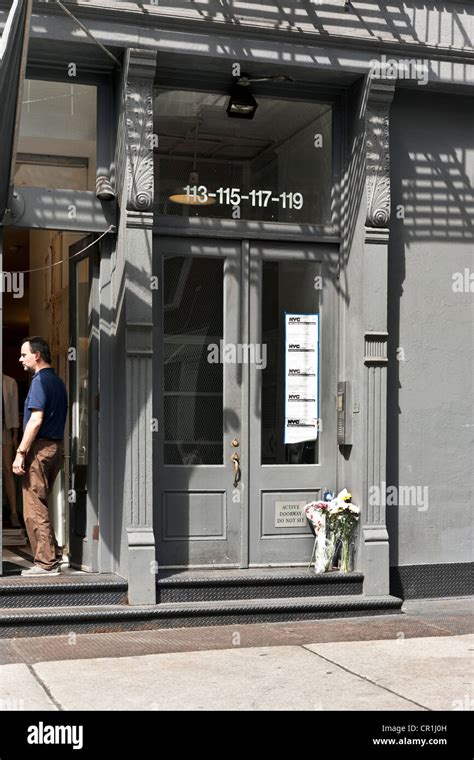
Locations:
(97, 401)
(95, 533)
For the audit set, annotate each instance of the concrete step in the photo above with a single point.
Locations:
(76, 590)
(69, 620)
(266, 583)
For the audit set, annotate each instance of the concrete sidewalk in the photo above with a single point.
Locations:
(413, 664)
(404, 674)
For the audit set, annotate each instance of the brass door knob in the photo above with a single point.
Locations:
(235, 442)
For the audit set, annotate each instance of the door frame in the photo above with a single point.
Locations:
(330, 251)
(89, 249)
(1, 412)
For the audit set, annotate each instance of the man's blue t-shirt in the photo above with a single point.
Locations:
(48, 393)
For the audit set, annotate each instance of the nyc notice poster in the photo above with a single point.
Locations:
(301, 377)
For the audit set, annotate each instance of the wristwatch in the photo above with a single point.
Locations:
(19, 451)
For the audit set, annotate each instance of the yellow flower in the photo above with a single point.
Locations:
(344, 495)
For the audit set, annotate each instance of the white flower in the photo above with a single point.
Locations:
(336, 506)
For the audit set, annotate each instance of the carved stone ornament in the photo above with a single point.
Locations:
(139, 129)
(378, 157)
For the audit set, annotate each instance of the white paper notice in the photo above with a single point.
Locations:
(301, 377)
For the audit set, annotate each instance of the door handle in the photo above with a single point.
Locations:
(235, 459)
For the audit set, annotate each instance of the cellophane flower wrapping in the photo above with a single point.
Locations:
(316, 513)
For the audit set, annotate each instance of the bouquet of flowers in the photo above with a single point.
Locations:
(342, 518)
(331, 521)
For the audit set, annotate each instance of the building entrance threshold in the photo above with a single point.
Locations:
(16, 559)
(93, 603)
(71, 588)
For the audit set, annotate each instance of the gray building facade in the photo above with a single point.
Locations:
(364, 133)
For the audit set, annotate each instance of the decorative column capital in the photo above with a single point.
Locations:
(378, 160)
(140, 64)
(135, 139)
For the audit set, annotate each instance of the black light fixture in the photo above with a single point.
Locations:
(103, 189)
(242, 105)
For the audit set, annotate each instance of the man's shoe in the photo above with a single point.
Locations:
(38, 570)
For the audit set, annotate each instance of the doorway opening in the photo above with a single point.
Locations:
(36, 301)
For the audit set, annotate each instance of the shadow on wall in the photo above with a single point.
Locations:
(436, 193)
(369, 19)
(432, 161)
(354, 175)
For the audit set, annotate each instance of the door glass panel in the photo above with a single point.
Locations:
(193, 326)
(82, 363)
(287, 286)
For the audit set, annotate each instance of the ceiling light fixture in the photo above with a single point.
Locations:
(182, 194)
(242, 105)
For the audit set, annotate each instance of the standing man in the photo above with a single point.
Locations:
(40, 454)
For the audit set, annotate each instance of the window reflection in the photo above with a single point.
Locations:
(57, 138)
(274, 167)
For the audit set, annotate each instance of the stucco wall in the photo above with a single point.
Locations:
(430, 390)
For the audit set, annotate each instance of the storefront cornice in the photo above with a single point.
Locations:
(307, 59)
(131, 16)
